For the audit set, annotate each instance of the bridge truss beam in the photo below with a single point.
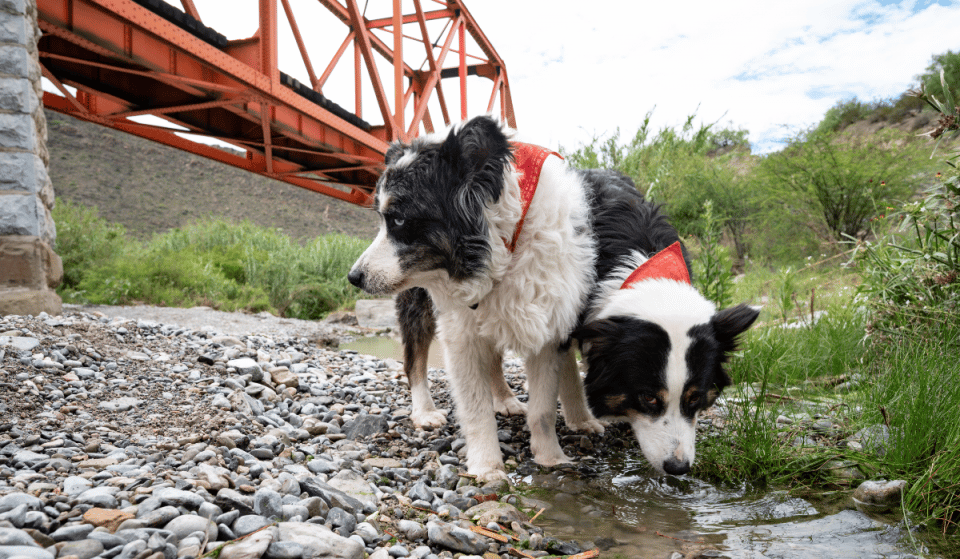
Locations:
(112, 60)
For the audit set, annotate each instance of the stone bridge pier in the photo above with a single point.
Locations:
(29, 268)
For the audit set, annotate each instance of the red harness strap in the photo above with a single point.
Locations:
(666, 264)
(529, 161)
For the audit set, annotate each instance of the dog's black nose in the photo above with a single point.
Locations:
(676, 467)
(356, 278)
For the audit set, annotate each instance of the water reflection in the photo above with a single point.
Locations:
(648, 515)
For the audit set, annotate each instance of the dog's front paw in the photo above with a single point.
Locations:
(511, 406)
(489, 474)
(429, 419)
(589, 426)
(552, 459)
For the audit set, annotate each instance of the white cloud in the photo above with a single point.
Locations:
(581, 69)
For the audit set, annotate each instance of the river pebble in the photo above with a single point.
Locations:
(134, 439)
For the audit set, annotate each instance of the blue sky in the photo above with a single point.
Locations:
(580, 69)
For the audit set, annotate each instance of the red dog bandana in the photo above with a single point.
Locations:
(666, 264)
(529, 161)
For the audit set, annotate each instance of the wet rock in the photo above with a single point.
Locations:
(879, 496)
(495, 511)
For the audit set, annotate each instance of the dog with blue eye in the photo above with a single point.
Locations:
(494, 245)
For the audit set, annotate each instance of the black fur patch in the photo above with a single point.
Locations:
(436, 196)
(628, 359)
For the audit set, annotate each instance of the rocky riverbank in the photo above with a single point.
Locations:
(135, 439)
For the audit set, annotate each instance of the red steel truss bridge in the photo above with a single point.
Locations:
(115, 60)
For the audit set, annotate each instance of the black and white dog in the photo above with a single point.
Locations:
(655, 348)
(499, 235)
(453, 221)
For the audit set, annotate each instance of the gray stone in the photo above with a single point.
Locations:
(339, 518)
(83, 549)
(333, 496)
(495, 511)
(126, 403)
(160, 517)
(75, 485)
(380, 553)
(290, 512)
(102, 497)
(252, 547)
(17, 516)
(72, 533)
(268, 503)
(30, 458)
(376, 313)
(19, 343)
(133, 549)
(411, 530)
(321, 466)
(183, 526)
(14, 500)
(17, 94)
(18, 131)
(215, 476)
(284, 550)
(320, 541)
(356, 486)
(447, 476)
(367, 533)
(108, 540)
(398, 551)
(315, 506)
(21, 214)
(249, 524)
(367, 426)
(24, 552)
(16, 7)
(879, 496)
(420, 492)
(454, 538)
(12, 536)
(247, 366)
(228, 499)
(179, 498)
(14, 60)
(15, 29)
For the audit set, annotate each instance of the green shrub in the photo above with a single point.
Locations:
(84, 242)
(228, 266)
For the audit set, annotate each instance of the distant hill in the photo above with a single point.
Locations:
(150, 188)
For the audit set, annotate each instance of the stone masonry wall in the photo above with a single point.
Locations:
(29, 269)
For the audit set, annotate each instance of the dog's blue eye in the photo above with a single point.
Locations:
(397, 221)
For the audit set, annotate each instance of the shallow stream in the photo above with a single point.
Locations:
(630, 512)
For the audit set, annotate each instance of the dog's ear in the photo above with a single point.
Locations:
(729, 323)
(606, 328)
(479, 151)
(394, 152)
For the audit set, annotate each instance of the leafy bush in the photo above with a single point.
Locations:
(947, 86)
(84, 241)
(838, 181)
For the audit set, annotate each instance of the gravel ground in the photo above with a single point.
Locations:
(144, 432)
